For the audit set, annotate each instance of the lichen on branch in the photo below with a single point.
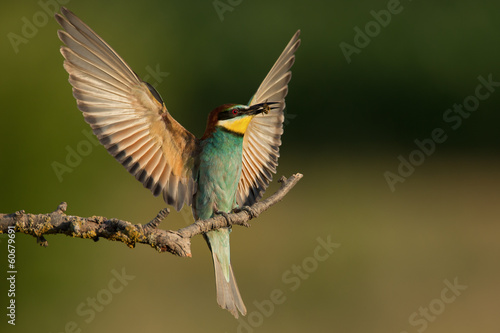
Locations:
(95, 227)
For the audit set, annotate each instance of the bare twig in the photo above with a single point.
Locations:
(95, 227)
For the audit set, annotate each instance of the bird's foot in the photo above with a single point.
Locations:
(226, 215)
(246, 209)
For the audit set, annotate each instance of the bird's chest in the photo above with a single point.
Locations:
(219, 173)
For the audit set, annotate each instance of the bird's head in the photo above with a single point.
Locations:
(235, 118)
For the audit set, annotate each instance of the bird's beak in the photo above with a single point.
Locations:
(261, 108)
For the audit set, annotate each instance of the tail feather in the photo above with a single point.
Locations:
(228, 295)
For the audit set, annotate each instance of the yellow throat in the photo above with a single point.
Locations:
(237, 125)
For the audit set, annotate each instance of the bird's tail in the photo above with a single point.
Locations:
(228, 295)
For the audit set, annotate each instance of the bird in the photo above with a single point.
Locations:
(228, 168)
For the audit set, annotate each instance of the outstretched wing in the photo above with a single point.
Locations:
(128, 115)
(263, 135)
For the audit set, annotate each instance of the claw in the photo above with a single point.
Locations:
(247, 209)
(250, 211)
(220, 212)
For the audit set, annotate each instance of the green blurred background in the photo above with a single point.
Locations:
(346, 125)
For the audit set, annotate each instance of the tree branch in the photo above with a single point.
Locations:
(95, 227)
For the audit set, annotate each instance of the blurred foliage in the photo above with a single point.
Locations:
(347, 123)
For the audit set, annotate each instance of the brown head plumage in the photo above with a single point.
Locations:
(213, 118)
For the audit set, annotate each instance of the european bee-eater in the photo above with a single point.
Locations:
(229, 167)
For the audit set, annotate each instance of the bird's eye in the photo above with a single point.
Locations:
(234, 111)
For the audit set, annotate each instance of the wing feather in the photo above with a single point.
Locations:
(263, 136)
(127, 115)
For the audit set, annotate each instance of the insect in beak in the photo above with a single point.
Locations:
(267, 108)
